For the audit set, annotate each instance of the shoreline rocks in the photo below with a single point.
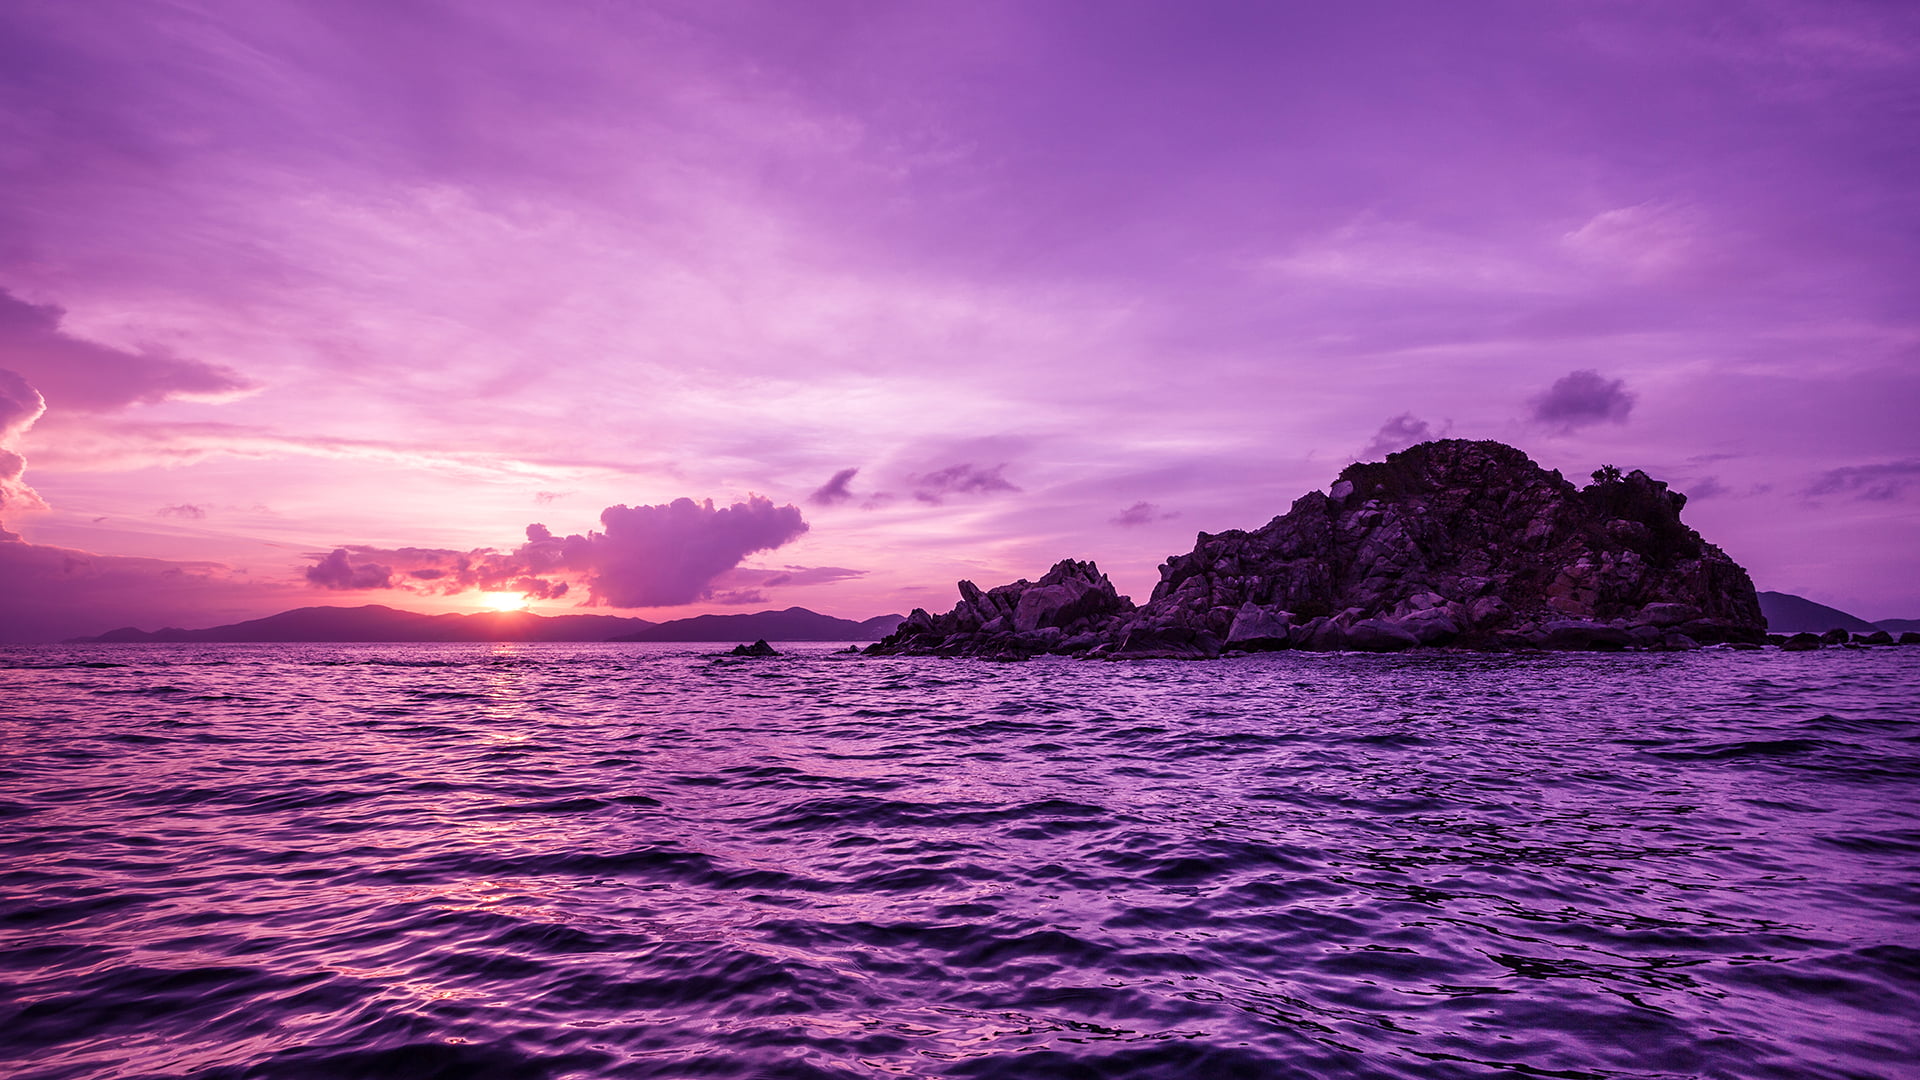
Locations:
(1451, 543)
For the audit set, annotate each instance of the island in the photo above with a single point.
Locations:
(1450, 543)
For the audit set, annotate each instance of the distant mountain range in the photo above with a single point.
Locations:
(376, 622)
(1790, 614)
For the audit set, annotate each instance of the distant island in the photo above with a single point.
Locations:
(1448, 543)
(376, 622)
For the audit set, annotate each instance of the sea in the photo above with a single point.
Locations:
(633, 860)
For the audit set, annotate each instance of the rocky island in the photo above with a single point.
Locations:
(1449, 543)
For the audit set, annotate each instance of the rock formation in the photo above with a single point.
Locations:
(1459, 543)
(1073, 609)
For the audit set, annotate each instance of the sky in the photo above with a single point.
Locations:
(671, 308)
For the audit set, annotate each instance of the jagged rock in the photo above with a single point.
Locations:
(758, 648)
(1835, 636)
(1910, 637)
(1878, 637)
(1446, 543)
(1068, 610)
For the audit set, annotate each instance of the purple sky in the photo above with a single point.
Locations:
(411, 302)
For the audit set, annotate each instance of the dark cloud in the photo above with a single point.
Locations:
(963, 479)
(1583, 398)
(1142, 513)
(1397, 434)
(184, 510)
(81, 375)
(1877, 483)
(20, 406)
(1707, 487)
(50, 593)
(336, 570)
(835, 490)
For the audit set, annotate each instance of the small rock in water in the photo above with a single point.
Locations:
(1802, 642)
(758, 648)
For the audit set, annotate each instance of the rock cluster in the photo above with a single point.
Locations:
(1806, 641)
(1467, 544)
(1073, 609)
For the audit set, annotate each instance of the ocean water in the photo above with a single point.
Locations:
(533, 861)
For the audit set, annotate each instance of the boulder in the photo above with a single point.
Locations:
(1582, 634)
(1910, 637)
(758, 648)
(1379, 635)
(1259, 627)
(1664, 615)
(1802, 642)
(1878, 637)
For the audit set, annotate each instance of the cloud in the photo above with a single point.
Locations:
(739, 596)
(1707, 487)
(85, 376)
(1876, 483)
(648, 556)
(813, 575)
(547, 498)
(1142, 513)
(835, 490)
(20, 406)
(1397, 434)
(658, 556)
(184, 510)
(963, 479)
(335, 570)
(750, 577)
(1583, 398)
(1646, 240)
(53, 593)
(535, 588)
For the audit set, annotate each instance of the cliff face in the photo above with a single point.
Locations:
(1445, 543)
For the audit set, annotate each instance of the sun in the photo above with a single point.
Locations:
(505, 601)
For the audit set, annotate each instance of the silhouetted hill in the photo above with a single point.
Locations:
(1790, 614)
(793, 624)
(376, 622)
(1899, 626)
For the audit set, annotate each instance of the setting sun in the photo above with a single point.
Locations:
(504, 601)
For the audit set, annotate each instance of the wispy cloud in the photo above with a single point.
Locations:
(962, 479)
(1879, 482)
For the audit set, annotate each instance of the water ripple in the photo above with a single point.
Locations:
(642, 861)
